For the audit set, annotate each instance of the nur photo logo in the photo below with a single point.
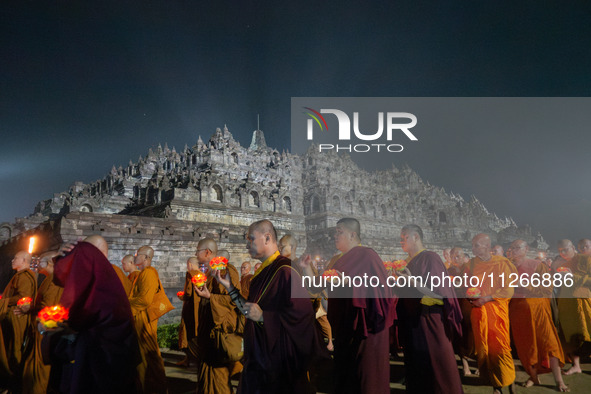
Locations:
(389, 125)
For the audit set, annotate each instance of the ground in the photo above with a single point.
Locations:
(182, 380)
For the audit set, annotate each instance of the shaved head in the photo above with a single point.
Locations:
(517, 250)
(21, 261)
(264, 227)
(481, 246)
(192, 264)
(497, 250)
(207, 249)
(411, 229)
(100, 243)
(584, 246)
(566, 249)
(127, 258)
(352, 225)
(127, 263)
(456, 255)
(446, 254)
(210, 244)
(245, 268)
(49, 255)
(46, 262)
(143, 257)
(224, 253)
(147, 250)
(287, 246)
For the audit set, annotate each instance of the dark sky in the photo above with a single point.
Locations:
(83, 87)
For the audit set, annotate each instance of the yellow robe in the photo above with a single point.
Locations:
(36, 373)
(574, 304)
(217, 312)
(490, 322)
(151, 369)
(534, 333)
(16, 331)
(123, 278)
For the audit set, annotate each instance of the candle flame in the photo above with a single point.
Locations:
(31, 244)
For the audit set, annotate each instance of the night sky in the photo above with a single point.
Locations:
(83, 87)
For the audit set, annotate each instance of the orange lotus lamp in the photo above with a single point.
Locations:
(219, 263)
(473, 292)
(330, 274)
(24, 301)
(199, 279)
(52, 316)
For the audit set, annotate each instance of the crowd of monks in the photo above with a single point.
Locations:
(268, 329)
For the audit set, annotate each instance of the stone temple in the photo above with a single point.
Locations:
(171, 199)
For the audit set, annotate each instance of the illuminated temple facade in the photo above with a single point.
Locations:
(170, 199)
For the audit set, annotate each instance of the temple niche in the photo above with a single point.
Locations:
(170, 199)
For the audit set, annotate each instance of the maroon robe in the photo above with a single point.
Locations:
(102, 353)
(426, 332)
(278, 352)
(360, 323)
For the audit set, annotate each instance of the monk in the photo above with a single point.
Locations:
(97, 350)
(428, 322)
(125, 282)
(447, 257)
(534, 334)
(257, 266)
(465, 343)
(497, 250)
(151, 369)
(466, 258)
(128, 266)
(490, 315)
(36, 372)
(189, 314)
(584, 246)
(361, 320)
(224, 253)
(216, 312)
(287, 247)
(16, 328)
(279, 336)
(574, 303)
(245, 277)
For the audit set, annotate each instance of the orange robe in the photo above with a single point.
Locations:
(490, 322)
(123, 278)
(151, 369)
(36, 373)
(216, 313)
(574, 304)
(16, 330)
(245, 285)
(534, 333)
(321, 315)
(133, 276)
(189, 315)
